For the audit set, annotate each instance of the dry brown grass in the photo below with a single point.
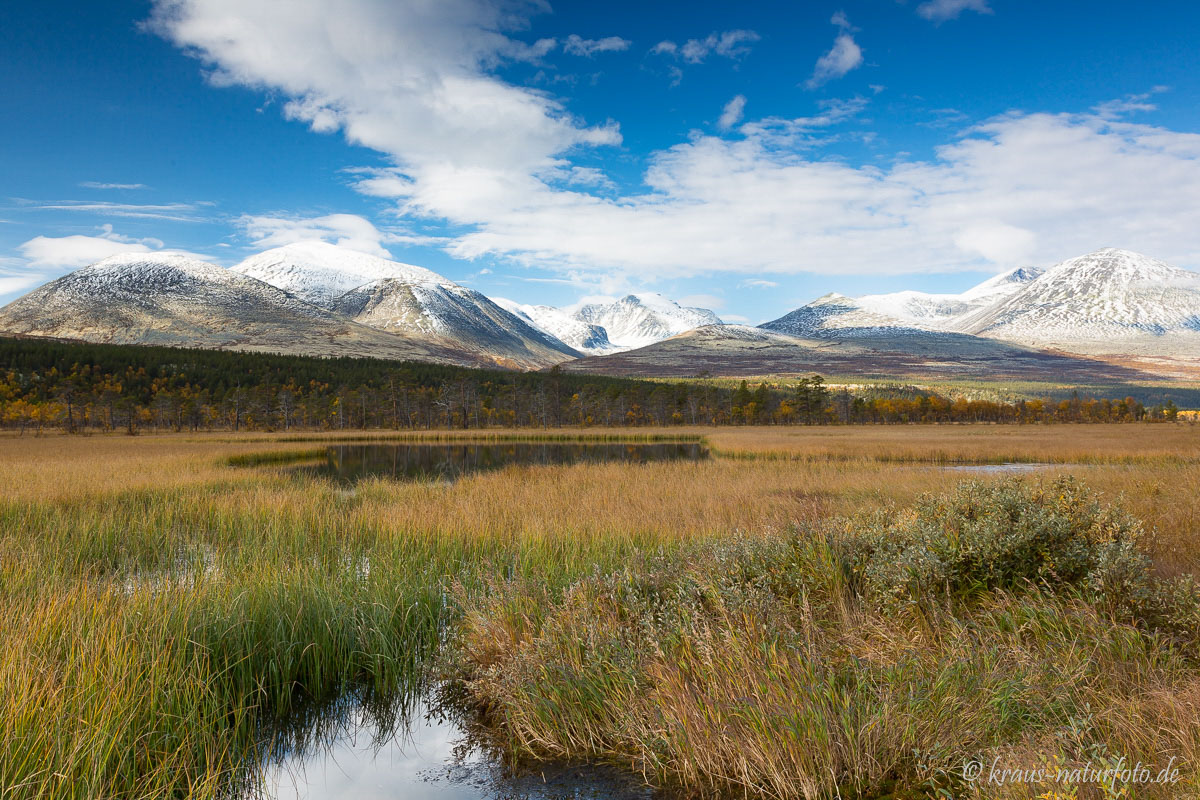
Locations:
(77, 507)
(777, 476)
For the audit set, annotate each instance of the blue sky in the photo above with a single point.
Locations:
(748, 157)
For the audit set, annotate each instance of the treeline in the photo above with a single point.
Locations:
(83, 387)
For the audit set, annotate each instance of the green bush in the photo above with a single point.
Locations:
(1012, 535)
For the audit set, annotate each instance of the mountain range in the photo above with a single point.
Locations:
(1111, 309)
(1111, 314)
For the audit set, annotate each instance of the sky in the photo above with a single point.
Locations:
(744, 157)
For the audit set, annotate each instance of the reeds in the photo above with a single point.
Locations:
(159, 604)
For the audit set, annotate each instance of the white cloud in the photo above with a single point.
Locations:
(942, 10)
(1130, 103)
(74, 251)
(732, 113)
(844, 56)
(56, 252)
(730, 44)
(345, 230)
(98, 185)
(576, 45)
(415, 81)
(709, 301)
(1021, 188)
(173, 212)
(757, 283)
(409, 79)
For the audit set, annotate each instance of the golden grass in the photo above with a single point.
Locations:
(91, 651)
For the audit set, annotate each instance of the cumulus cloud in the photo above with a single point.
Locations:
(942, 10)
(1019, 188)
(732, 113)
(497, 163)
(730, 44)
(74, 251)
(844, 56)
(54, 252)
(346, 230)
(413, 80)
(47, 257)
(576, 45)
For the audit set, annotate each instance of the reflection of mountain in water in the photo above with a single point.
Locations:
(350, 463)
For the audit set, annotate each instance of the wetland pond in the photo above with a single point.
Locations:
(349, 463)
(413, 748)
(414, 751)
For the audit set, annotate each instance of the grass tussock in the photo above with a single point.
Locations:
(883, 651)
(161, 606)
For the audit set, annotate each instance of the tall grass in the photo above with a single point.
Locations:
(859, 661)
(159, 605)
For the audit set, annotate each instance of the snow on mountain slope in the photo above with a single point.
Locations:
(171, 299)
(944, 310)
(582, 336)
(637, 320)
(1098, 302)
(837, 316)
(456, 315)
(407, 301)
(320, 272)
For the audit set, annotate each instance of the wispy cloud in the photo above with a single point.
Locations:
(942, 10)
(174, 212)
(1129, 104)
(757, 283)
(576, 45)
(98, 185)
(346, 230)
(844, 56)
(709, 301)
(732, 113)
(730, 44)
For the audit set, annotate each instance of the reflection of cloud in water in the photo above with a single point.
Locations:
(356, 766)
(353, 754)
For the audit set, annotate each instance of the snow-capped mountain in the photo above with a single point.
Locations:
(407, 301)
(320, 299)
(838, 316)
(637, 320)
(320, 272)
(945, 310)
(172, 299)
(1107, 301)
(582, 336)
(445, 311)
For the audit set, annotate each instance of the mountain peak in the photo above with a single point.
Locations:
(637, 320)
(1111, 266)
(170, 260)
(320, 272)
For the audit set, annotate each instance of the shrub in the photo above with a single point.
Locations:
(1009, 536)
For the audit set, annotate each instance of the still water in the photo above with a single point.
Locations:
(1003, 469)
(348, 463)
(415, 753)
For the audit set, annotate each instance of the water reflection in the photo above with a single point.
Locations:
(1002, 469)
(415, 750)
(351, 462)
